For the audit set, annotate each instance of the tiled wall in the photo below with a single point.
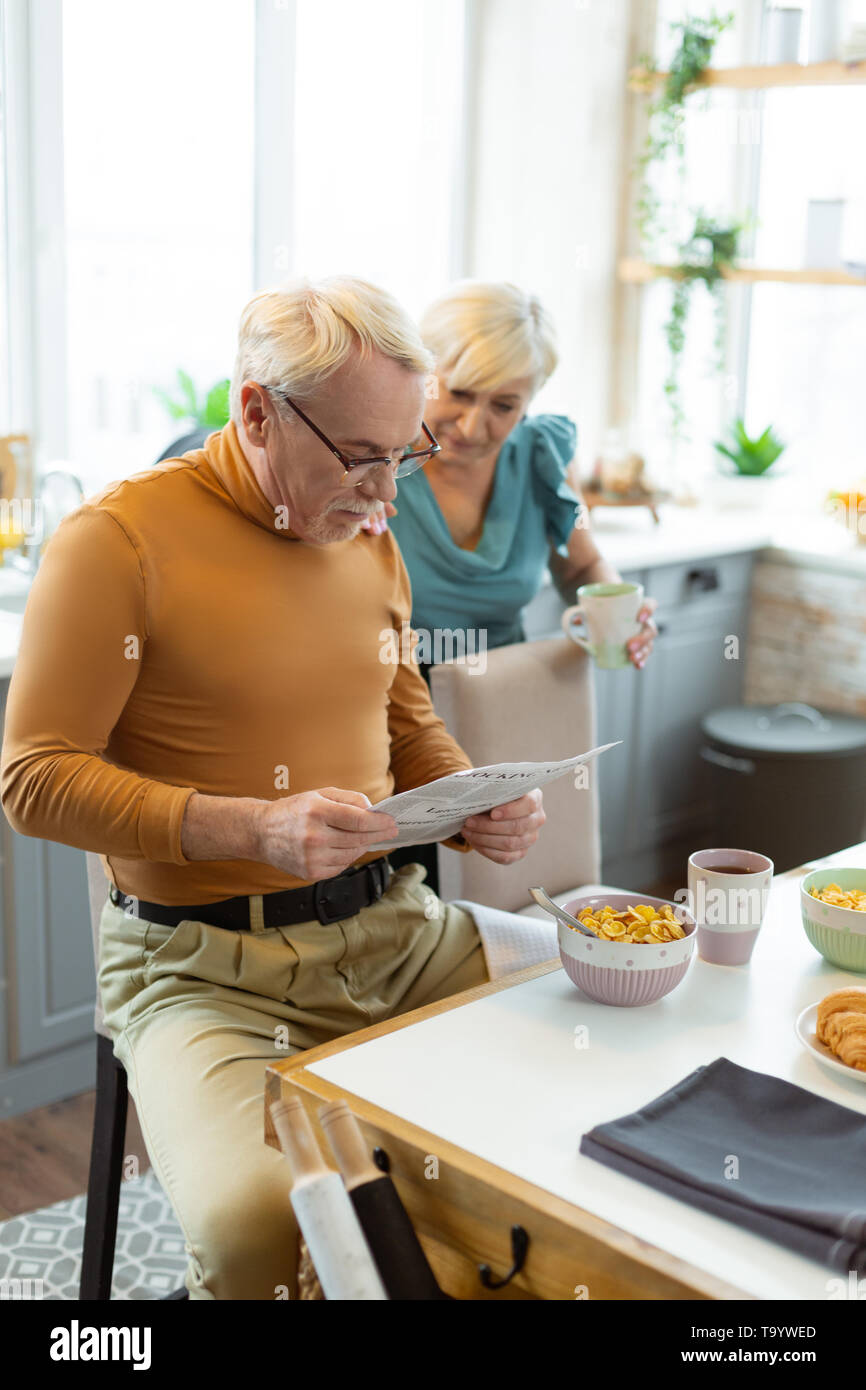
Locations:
(807, 638)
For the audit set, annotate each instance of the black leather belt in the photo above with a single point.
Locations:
(329, 900)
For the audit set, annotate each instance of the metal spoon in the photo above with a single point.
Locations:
(560, 913)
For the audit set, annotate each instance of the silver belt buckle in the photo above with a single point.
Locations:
(331, 905)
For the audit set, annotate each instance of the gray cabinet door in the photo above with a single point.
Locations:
(49, 946)
(616, 694)
(687, 675)
(616, 701)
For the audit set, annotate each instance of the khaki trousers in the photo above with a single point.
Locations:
(196, 1012)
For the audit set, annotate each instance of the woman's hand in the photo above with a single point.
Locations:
(640, 646)
(507, 832)
(378, 522)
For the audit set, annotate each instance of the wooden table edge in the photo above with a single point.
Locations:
(293, 1074)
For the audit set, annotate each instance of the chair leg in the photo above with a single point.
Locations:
(103, 1184)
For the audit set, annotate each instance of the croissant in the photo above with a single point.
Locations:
(841, 1025)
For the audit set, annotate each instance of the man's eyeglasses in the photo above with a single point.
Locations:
(356, 470)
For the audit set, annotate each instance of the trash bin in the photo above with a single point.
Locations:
(787, 780)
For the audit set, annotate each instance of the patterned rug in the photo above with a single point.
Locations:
(150, 1258)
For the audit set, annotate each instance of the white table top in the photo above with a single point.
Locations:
(503, 1079)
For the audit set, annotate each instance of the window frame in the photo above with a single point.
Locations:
(35, 270)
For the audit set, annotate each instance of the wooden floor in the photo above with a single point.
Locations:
(45, 1154)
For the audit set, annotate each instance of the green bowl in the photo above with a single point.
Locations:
(837, 933)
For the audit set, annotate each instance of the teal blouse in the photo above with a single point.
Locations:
(531, 509)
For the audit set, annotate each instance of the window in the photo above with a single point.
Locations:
(807, 344)
(6, 421)
(794, 351)
(158, 167)
(183, 156)
(379, 92)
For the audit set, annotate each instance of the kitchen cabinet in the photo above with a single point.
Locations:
(47, 1049)
(688, 675)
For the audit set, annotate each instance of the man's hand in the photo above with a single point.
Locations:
(507, 832)
(319, 834)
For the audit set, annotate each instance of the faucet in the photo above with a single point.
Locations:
(50, 511)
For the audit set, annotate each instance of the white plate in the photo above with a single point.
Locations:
(805, 1030)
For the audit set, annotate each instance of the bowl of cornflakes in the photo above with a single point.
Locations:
(645, 947)
(833, 903)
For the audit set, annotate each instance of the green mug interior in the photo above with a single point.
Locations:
(605, 590)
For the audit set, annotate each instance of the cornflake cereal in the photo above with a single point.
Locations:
(854, 898)
(638, 924)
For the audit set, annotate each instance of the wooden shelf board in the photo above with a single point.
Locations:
(637, 272)
(831, 74)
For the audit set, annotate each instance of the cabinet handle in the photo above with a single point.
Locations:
(703, 580)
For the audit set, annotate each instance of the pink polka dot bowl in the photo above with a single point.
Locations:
(625, 973)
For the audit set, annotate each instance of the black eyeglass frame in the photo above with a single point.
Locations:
(347, 463)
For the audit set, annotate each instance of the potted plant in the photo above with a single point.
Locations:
(744, 464)
(202, 414)
(710, 245)
(666, 113)
(704, 256)
(209, 411)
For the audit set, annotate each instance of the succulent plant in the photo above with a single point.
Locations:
(751, 457)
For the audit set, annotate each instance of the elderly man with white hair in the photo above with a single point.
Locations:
(200, 697)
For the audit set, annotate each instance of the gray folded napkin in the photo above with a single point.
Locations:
(760, 1152)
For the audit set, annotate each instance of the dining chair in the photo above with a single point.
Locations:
(109, 1131)
(194, 439)
(112, 1094)
(106, 1154)
(534, 702)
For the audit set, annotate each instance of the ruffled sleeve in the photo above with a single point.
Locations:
(553, 449)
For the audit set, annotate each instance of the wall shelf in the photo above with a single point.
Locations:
(830, 74)
(633, 271)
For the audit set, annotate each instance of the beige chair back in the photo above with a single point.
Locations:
(534, 702)
(98, 886)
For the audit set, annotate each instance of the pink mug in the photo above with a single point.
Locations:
(728, 891)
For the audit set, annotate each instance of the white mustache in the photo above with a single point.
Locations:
(358, 511)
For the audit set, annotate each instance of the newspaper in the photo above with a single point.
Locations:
(437, 810)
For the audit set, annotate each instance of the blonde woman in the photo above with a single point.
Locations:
(482, 521)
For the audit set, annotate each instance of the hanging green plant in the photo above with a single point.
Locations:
(708, 252)
(666, 113)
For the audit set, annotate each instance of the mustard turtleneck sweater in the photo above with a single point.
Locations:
(176, 640)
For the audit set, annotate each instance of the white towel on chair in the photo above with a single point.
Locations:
(512, 942)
